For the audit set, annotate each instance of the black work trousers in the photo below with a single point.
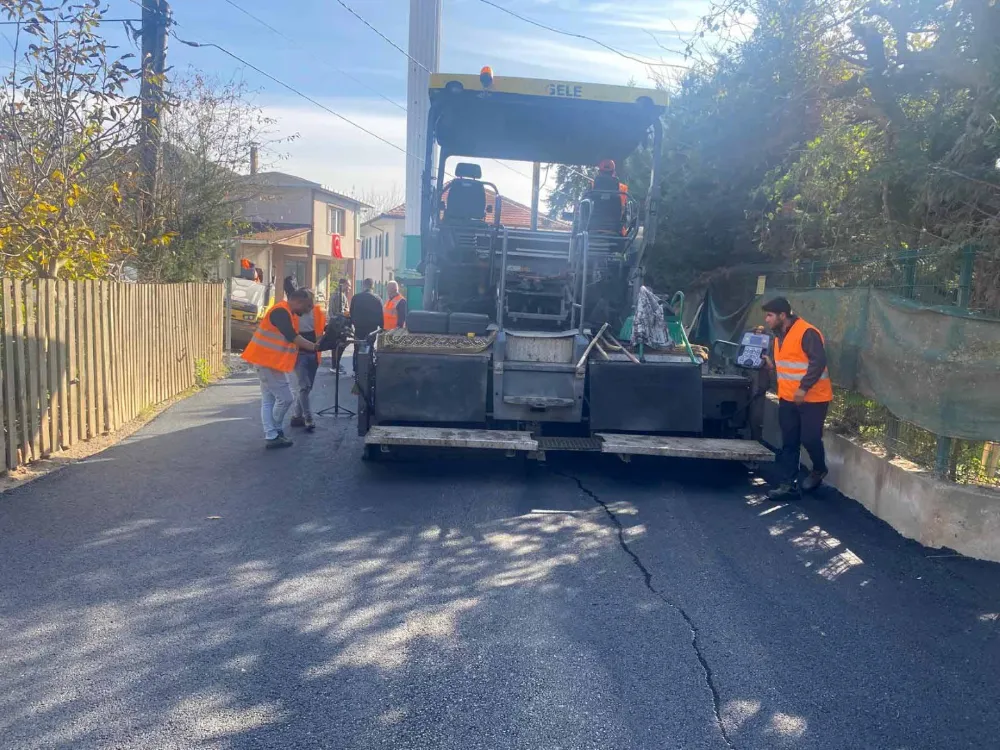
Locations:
(801, 425)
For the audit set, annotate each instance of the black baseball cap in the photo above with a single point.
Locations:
(777, 305)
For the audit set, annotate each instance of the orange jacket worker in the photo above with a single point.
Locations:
(394, 312)
(804, 393)
(273, 350)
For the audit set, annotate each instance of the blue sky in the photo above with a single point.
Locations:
(473, 34)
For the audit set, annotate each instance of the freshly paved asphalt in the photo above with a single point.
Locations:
(185, 589)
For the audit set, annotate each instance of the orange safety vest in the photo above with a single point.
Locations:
(319, 325)
(268, 347)
(791, 364)
(390, 318)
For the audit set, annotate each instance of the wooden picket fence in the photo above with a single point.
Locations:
(79, 359)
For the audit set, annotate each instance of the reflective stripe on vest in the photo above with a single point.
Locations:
(390, 318)
(268, 347)
(791, 365)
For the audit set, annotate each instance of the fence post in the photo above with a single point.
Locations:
(228, 331)
(909, 274)
(812, 275)
(891, 436)
(965, 277)
(942, 462)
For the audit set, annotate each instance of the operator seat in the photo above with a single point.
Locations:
(607, 215)
(466, 196)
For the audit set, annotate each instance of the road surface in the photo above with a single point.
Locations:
(186, 589)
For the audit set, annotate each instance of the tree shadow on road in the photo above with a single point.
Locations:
(186, 589)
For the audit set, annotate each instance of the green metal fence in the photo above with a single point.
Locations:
(966, 277)
(874, 426)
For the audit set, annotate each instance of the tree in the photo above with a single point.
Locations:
(67, 129)
(827, 131)
(210, 128)
(378, 200)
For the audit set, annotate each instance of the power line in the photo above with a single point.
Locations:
(313, 101)
(584, 37)
(102, 20)
(407, 55)
(287, 38)
(354, 13)
(297, 92)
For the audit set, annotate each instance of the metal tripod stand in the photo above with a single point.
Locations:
(337, 410)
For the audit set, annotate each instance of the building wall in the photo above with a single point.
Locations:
(306, 206)
(282, 205)
(322, 238)
(381, 252)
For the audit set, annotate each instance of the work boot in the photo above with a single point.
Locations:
(813, 481)
(310, 425)
(298, 422)
(279, 442)
(783, 490)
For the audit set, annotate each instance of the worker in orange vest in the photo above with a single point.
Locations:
(273, 350)
(394, 312)
(311, 327)
(804, 394)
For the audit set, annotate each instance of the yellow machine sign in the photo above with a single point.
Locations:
(595, 92)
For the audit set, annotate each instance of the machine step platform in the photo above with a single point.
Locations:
(614, 443)
(684, 447)
(446, 437)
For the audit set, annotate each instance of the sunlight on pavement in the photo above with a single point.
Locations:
(809, 541)
(738, 712)
(839, 565)
(787, 726)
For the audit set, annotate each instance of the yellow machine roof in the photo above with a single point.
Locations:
(595, 92)
(527, 119)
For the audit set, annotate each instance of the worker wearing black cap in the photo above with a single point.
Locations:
(804, 394)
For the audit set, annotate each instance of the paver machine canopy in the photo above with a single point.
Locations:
(463, 233)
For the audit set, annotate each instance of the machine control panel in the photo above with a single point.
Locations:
(753, 347)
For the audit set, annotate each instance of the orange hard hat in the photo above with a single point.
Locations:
(608, 165)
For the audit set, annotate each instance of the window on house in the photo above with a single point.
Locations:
(334, 220)
(378, 246)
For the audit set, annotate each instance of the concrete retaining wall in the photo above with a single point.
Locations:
(919, 506)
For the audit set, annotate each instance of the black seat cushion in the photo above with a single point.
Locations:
(608, 210)
(466, 201)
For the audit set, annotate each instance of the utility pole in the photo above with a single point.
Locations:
(227, 331)
(425, 50)
(155, 20)
(536, 179)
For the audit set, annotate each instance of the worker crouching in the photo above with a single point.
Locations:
(804, 394)
(274, 350)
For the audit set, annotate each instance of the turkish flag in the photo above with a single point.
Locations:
(335, 247)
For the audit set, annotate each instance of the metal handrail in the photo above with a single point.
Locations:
(503, 281)
(583, 281)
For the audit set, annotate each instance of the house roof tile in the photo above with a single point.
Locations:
(513, 214)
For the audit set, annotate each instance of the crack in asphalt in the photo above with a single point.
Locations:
(648, 577)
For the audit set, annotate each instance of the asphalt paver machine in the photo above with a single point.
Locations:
(518, 348)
